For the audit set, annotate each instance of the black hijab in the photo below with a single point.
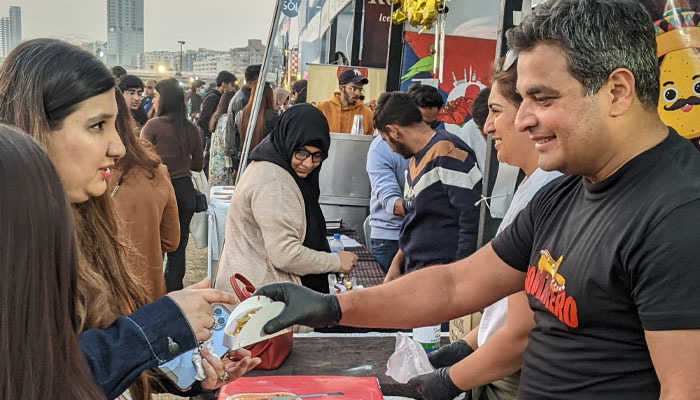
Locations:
(302, 125)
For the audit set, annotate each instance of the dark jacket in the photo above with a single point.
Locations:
(240, 100)
(209, 103)
(152, 335)
(195, 103)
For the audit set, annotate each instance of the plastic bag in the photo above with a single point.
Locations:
(409, 360)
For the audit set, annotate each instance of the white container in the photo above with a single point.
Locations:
(428, 337)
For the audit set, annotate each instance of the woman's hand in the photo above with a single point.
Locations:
(232, 366)
(348, 261)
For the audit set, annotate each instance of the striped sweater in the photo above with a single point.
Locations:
(443, 183)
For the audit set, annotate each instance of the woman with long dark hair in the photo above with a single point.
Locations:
(275, 230)
(220, 167)
(264, 124)
(65, 99)
(38, 329)
(179, 145)
(145, 200)
(497, 344)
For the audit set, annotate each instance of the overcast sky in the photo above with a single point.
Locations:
(213, 24)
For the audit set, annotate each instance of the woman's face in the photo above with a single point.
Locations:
(85, 149)
(509, 142)
(156, 101)
(305, 167)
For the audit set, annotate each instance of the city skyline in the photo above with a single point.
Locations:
(220, 27)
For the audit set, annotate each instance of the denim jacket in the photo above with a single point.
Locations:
(145, 339)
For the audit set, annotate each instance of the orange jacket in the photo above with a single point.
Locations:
(340, 118)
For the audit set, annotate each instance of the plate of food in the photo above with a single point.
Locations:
(245, 325)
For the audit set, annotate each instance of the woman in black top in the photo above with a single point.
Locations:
(179, 144)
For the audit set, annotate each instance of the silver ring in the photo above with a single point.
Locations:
(213, 323)
(224, 377)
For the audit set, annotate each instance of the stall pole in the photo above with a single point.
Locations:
(267, 59)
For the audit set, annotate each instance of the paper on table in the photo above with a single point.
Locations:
(347, 242)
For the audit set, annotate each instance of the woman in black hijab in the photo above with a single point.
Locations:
(275, 230)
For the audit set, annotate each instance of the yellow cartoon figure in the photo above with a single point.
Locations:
(550, 266)
(678, 49)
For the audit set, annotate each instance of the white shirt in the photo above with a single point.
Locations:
(494, 316)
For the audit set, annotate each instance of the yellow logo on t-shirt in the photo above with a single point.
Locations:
(547, 285)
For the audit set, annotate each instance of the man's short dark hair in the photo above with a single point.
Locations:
(597, 37)
(252, 72)
(118, 71)
(425, 96)
(197, 84)
(299, 85)
(225, 77)
(128, 82)
(480, 107)
(396, 108)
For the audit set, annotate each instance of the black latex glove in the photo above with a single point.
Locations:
(436, 385)
(303, 306)
(447, 356)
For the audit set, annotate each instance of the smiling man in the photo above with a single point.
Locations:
(607, 256)
(341, 109)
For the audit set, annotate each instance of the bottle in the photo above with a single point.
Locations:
(337, 244)
(428, 337)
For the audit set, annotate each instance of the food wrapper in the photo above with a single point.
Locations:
(245, 325)
(409, 360)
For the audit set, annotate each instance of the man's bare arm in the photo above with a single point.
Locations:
(433, 295)
(676, 359)
(502, 354)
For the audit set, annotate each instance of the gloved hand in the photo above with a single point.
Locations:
(303, 306)
(447, 356)
(435, 385)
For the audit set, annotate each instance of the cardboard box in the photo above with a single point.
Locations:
(459, 327)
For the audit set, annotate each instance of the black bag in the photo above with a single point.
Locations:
(200, 201)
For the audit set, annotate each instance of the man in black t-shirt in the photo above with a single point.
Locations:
(608, 256)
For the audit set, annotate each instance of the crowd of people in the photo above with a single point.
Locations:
(587, 290)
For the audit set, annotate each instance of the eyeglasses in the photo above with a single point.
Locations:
(302, 155)
(132, 92)
(510, 59)
(355, 89)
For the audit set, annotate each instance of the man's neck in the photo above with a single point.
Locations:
(642, 134)
(221, 90)
(418, 137)
(344, 102)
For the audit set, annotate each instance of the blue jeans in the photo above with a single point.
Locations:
(384, 251)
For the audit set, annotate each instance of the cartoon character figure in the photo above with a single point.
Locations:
(550, 266)
(678, 49)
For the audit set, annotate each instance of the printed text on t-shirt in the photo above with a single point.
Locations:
(547, 286)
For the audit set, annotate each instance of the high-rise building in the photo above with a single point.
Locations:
(15, 26)
(124, 32)
(10, 31)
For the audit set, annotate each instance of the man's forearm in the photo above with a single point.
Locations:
(432, 295)
(499, 357)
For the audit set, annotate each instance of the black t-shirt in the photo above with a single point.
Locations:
(603, 263)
